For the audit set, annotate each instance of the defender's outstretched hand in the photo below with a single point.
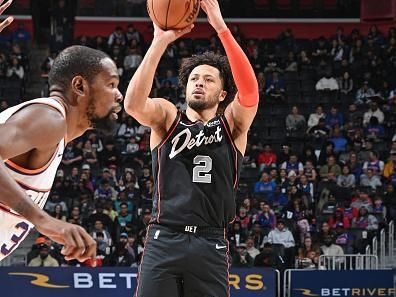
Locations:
(212, 10)
(8, 20)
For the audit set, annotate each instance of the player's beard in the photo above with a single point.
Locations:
(202, 104)
(106, 125)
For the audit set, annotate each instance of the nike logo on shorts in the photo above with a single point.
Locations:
(218, 247)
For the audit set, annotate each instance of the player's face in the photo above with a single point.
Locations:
(105, 99)
(204, 88)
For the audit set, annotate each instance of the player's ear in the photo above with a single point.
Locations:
(223, 95)
(79, 86)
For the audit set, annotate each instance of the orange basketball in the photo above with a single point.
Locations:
(173, 14)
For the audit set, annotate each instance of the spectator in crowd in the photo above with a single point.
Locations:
(345, 84)
(242, 258)
(365, 220)
(315, 117)
(44, 259)
(364, 94)
(374, 111)
(346, 180)
(281, 235)
(334, 118)
(265, 185)
(293, 164)
(251, 250)
(370, 180)
(117, 37)
(331, 166)
(266, 158)
(327, 83)
(15, 70)
(295, 123)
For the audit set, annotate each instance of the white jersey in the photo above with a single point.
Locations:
(37, 184)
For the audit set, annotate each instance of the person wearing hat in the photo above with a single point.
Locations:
(242, 258)
(44, 259)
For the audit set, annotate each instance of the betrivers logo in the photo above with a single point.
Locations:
(324, 292)
(83, 280)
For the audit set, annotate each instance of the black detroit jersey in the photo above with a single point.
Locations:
(196, 169)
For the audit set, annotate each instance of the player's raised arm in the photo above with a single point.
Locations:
(151, 112)
(8, 20)
(38, 127)
(241, 111)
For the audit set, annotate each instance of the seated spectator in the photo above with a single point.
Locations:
(123, 218)
(306, 187)
(379, 211)
(370, 180)
(345, 84)
(346, 180)
(266, 219)
(364, 94)
(275, 86)
(116, 36)
(295, 123)
(281, 235)
(319, 133)
(245, 219)
(324, 231)
(44, 259)
(374, 130)
(327, 83)
(266, 158)
(265, 185)
(339, 218)
(374, 111)
(58, 213)
(316, 116)
(331, 166)
(105, 191)
(54, 200)
(120, 257)
(242, 258)
(365, 220)
(310, 171)
(338, 139)
(293, 164)
(15, 70)
(362, 199)
(390, 170)
(278, 200)
(389, 198)
(257, 234)
(334, 118)
(236, 235)
(329, 248)
(252, 251)
(376, 165)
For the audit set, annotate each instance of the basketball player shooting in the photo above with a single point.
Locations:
(197, 157)
(83, 95)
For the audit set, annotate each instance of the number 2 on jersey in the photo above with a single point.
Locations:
(203, 165)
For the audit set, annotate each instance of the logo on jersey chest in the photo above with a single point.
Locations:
(178, 145)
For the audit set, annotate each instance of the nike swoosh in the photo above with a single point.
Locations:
(218, 247)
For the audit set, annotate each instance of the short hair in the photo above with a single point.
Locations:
(219, 62)
(75, 60)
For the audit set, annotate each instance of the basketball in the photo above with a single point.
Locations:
(173, 14)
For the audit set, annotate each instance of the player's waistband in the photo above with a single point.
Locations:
(203, 231)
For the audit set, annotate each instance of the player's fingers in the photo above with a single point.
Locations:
(70, 245)
(90, 247)
(80, 245)
(4, 6)
(185, 30)
(5, 23)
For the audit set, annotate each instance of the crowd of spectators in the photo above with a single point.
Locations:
(14, 64)
(324, 185)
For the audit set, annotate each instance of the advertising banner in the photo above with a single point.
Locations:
(113, 281)
(344, 283)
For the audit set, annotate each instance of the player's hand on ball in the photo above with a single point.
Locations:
(170, 36)
(212, 10)
(77, 243)
(8, 20)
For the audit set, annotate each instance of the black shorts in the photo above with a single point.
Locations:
(176, 264)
